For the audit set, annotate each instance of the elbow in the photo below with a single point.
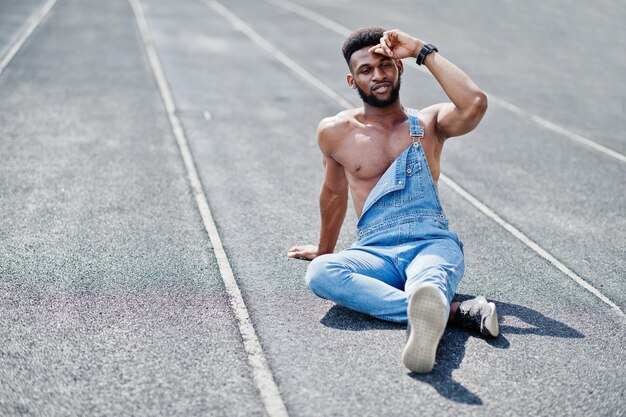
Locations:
(479, 106)
(474, 112)
(334, 191)
(330, 196)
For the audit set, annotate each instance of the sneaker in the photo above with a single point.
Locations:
(478, 314)
(428, 315)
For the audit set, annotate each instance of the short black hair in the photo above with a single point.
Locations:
(360, 39)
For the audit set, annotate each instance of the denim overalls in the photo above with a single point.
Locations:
(402, 241)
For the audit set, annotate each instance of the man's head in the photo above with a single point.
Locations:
(376, 77)
(366, 37)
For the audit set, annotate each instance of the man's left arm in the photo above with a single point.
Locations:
(468, 102)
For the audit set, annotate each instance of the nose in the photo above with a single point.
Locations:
(379, 74)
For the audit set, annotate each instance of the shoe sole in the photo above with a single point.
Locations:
(490, 325)
(427, 313)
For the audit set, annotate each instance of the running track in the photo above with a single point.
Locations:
(159, 158)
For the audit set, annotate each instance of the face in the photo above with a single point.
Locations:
(376, 77)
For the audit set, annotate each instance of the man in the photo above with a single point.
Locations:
(406, 264)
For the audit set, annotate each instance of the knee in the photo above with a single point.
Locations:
(320, 274)
(445, 277)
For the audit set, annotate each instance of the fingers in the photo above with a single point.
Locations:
(390, 39)
(375, 49)
(296, 252)
(298, 255)
(392, 35)
(387, 43)
(382, 50)
(307, 252)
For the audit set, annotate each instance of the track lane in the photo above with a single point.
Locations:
(311, 79)
(110, 300)
(262, 374)
(17, 23)
(565, 197)
(260, 168)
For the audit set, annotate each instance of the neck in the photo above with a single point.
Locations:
(390, 114)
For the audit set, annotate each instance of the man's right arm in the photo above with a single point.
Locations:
(333, 205)
(333, 198)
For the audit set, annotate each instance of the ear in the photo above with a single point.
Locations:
(400, 66)
(350, 80)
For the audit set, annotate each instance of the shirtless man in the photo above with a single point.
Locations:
(406, 264)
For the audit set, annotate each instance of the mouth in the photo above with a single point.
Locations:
(381, 87)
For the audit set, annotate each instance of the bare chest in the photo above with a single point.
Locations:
(367, 155)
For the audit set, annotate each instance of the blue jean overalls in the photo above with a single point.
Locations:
(402, 241)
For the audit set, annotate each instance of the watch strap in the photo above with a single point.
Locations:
(426, 49)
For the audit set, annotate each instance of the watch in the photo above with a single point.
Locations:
(426, 49)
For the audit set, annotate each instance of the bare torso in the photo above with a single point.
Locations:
(365, 150)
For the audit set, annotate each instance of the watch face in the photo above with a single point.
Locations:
(426, 49)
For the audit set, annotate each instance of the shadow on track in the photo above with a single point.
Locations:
(341, 318)
(451, 349)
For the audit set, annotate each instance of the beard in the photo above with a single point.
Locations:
(374, 101)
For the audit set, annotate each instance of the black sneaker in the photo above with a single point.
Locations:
(427, 313)
(478, 314)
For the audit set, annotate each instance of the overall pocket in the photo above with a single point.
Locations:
(413, 187)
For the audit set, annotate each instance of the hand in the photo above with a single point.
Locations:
(308, 252)
(397, 44)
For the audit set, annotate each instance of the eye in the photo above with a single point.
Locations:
(365, 71)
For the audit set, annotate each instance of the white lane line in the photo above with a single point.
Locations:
(345, 31)
(262, 374)
(252, 34)
(288, 62)
(30, 27)
(530, 243)
(312, 16)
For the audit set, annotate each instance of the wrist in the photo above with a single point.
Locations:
(418, 45)
(323, 250)
(423, 53)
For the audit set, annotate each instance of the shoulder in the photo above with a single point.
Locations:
(430, 113)
(341, 121)
(428, 117)
(331, 131)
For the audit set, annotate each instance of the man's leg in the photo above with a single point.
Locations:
(361, 279)
(441, 263)
(432, 278)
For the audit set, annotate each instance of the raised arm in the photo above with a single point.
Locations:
(468, 102)
(333, 200)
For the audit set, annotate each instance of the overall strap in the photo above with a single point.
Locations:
(415, 130)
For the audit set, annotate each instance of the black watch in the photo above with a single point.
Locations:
(426, 49)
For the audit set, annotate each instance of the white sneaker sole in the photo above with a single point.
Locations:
(427, 313)
(490, 325)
